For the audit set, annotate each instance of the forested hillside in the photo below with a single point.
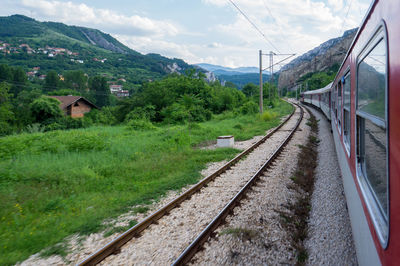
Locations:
(29, 43)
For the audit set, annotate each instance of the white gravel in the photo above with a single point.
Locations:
(253, 235)
(330, 241)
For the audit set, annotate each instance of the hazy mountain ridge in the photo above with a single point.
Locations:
(227, 70)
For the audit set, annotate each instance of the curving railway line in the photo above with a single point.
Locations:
(188, 221)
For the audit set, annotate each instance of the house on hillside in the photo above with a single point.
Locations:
(74, 106)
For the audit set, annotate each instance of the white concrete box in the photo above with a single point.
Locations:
(225, 141)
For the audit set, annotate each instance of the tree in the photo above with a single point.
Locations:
(19, 81)
(6, 115)
(5, 73)
(22, 109)
(76, 80)
(52, 81)
(45, 108)
(98, 86)
(230, 84)
(250, 89)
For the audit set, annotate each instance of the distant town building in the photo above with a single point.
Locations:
(74, 106)
(118, 91)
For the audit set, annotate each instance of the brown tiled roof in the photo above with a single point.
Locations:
(68, 100)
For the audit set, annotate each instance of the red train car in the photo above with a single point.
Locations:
(365, 119)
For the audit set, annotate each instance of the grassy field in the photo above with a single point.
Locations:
(63, 182)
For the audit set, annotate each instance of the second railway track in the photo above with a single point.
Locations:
(173, 227)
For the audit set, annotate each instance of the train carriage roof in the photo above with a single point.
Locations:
(322, 90)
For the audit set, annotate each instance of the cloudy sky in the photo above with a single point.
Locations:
(204, 31)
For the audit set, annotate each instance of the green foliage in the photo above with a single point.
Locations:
(180, 99)
(18, 81)
(250, 89)
(6, 114)
(147, 112)
(52, 81)
(105, 116)
(98, 85)
(140, 124)
(249, 108)
(45, 108)
(175, 113)
(34, 128)
(64, 92)
(21, 107)
(268, 115)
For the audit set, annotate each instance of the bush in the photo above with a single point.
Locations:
(175, 113)
(249, 108)
(35, 128)
(147, 113)
(267, 116)
(45, 108)
(141, 124)
(105, 116)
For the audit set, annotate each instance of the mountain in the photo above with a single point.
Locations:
(240, 76)
(221, 70)
(29, 43)
(323, 57)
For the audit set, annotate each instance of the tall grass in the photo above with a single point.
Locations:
(63, 182)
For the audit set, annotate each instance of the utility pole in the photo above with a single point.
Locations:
(261, 84)
(271, 77)
(271, 68)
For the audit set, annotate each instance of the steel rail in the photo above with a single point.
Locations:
(192, 249)
(113, 247)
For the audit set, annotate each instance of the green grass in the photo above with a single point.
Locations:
(59, 183)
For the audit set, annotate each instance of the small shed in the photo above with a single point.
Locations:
(74, 106)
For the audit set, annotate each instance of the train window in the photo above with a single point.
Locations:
(371, 121)
(334, 103)
(346, 111)
(339, 107)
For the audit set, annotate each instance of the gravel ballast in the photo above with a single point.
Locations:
(330, 240)
(253, 235)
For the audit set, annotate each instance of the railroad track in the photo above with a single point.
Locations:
(114, 246)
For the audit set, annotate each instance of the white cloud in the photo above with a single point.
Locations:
(108, 20)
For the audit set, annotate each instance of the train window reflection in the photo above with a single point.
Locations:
(375, 161)
(346, 111)
(372, 155)
(371, 82)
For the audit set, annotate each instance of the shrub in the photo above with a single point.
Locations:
(105, 116)
(45, 108)
(141, 124)
(35, 128)
(148, 113)
(175, 113)
(249, 108)
(267, 115)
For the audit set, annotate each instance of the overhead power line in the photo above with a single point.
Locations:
(276, 23)
(254, 25)
(345, 18)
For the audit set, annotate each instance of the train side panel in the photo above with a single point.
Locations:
(373, 197)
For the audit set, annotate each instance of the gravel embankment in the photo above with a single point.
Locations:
(330, 241)
(253, 235)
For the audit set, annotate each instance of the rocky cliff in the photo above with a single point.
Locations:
(320, 58)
